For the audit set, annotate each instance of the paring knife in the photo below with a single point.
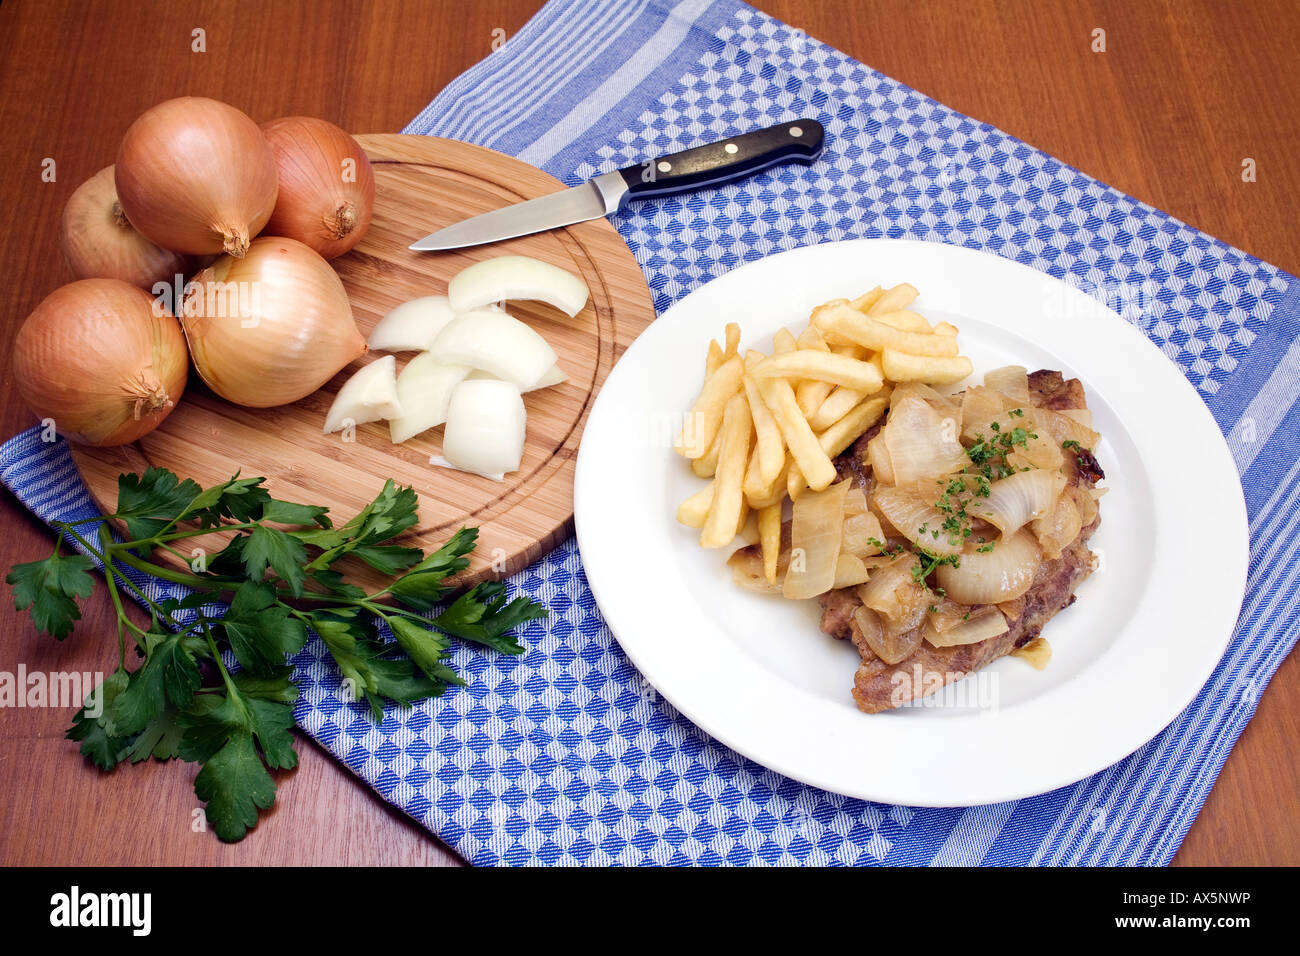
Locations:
(798, 141)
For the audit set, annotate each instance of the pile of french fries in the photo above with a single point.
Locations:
(767, 427)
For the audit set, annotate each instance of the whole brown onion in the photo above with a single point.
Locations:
(197, 176)
(102, 359)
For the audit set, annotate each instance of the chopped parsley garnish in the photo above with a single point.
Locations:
(930, 562)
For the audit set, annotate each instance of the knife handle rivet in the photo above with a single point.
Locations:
(796, 130)
(731, 148)
(665, 166)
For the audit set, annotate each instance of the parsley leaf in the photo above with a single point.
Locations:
(169, 676)
(483, 615)
(426, 647)
(260, 630)
(281, 551)
(50, 588)
(240, 729)
(148, 503)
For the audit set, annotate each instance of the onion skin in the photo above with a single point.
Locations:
(102, 359)
(316, 205)
(196, 176)
(99, 243)
(295, 334)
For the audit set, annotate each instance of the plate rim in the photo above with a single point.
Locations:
(1234, 568)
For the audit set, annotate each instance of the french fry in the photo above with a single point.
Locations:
(695, 509)
(795, 483)
(899, 297)
(769, 446)
(851, 350)
(727, 509)
(769, 539)
(846, 431)
(837, 405)
(748, 531)
(904, 367)
(864, 302)
(945, 328)
(707, 464)
(752, 358)
(850, 324)
(810, 338)
(705, 417)
(783, 341)
(761, 495)
(732, 332)
(814, 464)
(713, 359)
(905, 320)
(822, 366)
(810, 394)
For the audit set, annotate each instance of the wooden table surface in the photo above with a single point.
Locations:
(1183, 93)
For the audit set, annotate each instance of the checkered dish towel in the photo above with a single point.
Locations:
(559, 756)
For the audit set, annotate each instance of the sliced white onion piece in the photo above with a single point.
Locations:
(1081, 415)
(922, 443)
(886, 592)
(994, 576)
(496, 343)
(816, 534)
(516, 277)
(484, 433)
(1057, 529)
(878, 456)
(983, 624)
(912, 512)
(1015, 500)
(849, 571)
(555, 376)
(1038, 452)
(412, 326)
(890, 648)
(1011, 380)
(1064, 428)
(369, 395)
(424, 391)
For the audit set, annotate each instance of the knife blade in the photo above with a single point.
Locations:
(796, 141)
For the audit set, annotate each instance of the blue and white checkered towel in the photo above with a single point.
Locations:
(560, 756)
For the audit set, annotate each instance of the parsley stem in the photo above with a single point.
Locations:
(195, 532)
(167, 574)
(231, 690)
(110, 578)
(111, 575)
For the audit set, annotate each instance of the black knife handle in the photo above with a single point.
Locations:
(798, 141)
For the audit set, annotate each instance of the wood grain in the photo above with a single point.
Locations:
(421, 183)
(1185, 91)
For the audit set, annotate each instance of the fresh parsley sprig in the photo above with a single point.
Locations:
(277, 573)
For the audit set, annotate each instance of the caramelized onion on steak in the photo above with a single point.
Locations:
(879, 686)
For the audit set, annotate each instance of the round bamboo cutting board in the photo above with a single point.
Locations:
(421, 184)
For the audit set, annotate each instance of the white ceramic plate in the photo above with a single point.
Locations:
(756, 672)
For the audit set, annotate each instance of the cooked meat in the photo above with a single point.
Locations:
(852, 463)
(1049, 389)
(879, 686)
(837, 612)
(1088, 466)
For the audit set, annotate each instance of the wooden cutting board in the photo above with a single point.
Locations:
(421, 184)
